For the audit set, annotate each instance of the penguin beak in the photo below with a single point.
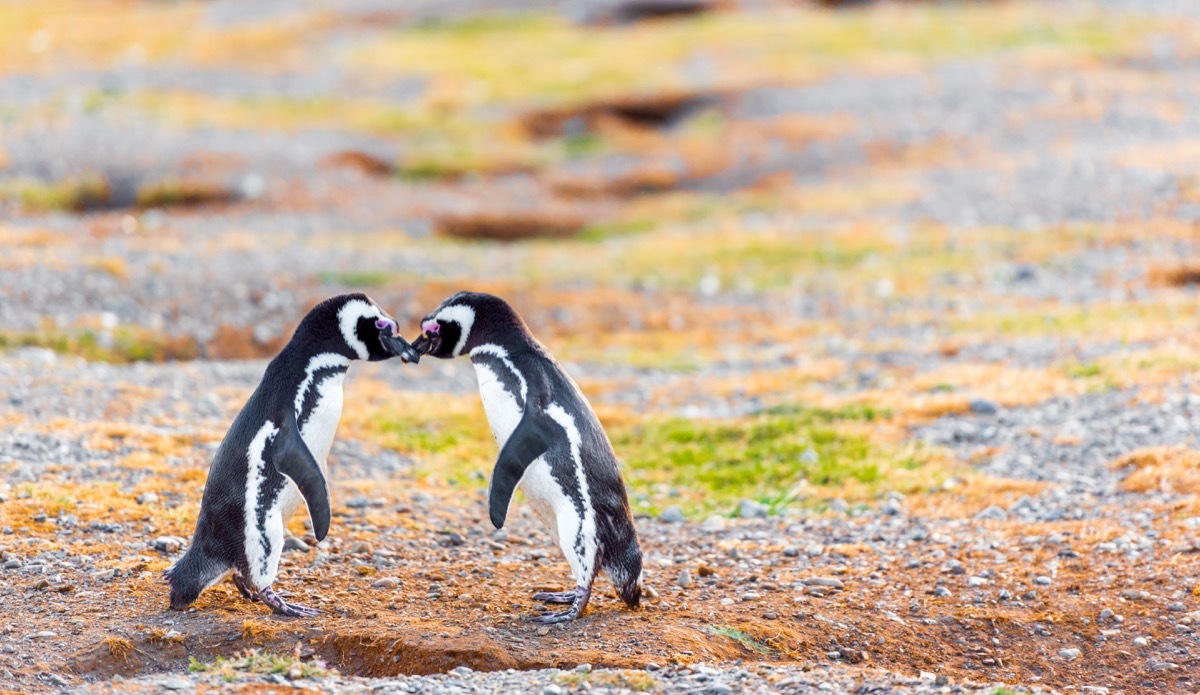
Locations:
(423, 344)
(400, 348)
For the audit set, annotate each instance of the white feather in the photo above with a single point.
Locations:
(464, 316)
(263, 562)
(348, 317)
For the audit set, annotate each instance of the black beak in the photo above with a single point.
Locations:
(400, 348)
(423, 344)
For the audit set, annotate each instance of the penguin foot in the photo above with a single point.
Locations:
(555, 596)
(579, 599)
(278, 605)
(243, 588)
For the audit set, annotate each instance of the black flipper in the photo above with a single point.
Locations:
(293, 459)
(529, 440)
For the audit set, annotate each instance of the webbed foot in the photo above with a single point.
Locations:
(555, 596)
(278, 605)
(578, 600)
(243, 587)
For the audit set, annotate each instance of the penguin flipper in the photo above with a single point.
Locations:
(529, 440)
(293, 459)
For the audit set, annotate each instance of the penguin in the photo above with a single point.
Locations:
(551, 443)
(273, 456)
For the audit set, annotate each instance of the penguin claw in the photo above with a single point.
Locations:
(281, 607)
(559, 617)
(555, 596)
(243, 588)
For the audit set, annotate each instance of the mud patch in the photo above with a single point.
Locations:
(499, 225)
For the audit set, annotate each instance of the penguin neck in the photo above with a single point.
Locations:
(510, 348)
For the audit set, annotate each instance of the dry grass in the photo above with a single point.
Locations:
(1170, 469)
(118, 647)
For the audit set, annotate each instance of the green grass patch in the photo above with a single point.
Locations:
(741, 637)
(776, 457)
(356, 278)
(254, 662)
(73, 194)
(121, 345)
(637, 681)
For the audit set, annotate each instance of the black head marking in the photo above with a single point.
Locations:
(467, 320)
(352, 325)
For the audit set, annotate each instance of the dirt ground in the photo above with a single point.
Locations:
(890, 313)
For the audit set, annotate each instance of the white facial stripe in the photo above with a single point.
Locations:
(464, 316)
(321, 361)
(348, 317)
(259, 547)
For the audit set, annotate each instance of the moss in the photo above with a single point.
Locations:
(741, 637)
(356, 278)
(254, 662)
(124, 344)
(73, 194)
(637, 681)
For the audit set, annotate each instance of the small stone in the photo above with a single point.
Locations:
(713, 524)
(1106, 614)
(750, 595)
(177, 684)
(1069, 654)
(39, 518)
(727, 601)
(147, 498)
(42, 584)
(685, 579)
(791, 551)
(358, 502)
(583, 668)
(982, 406)
(386, 583)
(705, 571)
(1042, 580)
(976, 582)
(361, 547)
(455, 539)
(168, 544)
(671, 515)
(44, 634)
(1141, 641)
(749, 509)
(543, 630)
(941, 592)
(893, 508)
(1176, 607)
(553, 690)
(12, 564)
(295, 543)
(734, 553)
(103, 575)
(992, 513)
(823, 581)
(461, 671)
(364, 570)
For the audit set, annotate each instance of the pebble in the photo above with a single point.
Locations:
(1069, 654)
(358, 502)
(992, 513)
(982, 406)
(361, 547)
(791, 551)
(168, 544)
(12, 564)
(177, 684)
(941, 592)
(147, 498)
(749, 509)
(386, 583)
(1141, 641)
(1042, 580)
(713, 524)
(976, 582)
(685, 579)
(1106, 614)
(823, 581)
(295, 543)
(671, 515)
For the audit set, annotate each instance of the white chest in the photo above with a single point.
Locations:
(501, 407)
(321, 426)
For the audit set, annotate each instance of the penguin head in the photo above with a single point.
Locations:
(358, 327)
(464, 321)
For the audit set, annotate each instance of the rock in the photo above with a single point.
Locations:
(1141, 641)
(461, 671)
(147, 498)
(713, 524)
(361, 547)
(749, 509)
(553, 690)
(1069, 654)
(727, 601)
(358, 502)
(455, 539)
(941, 592)
(823, 581)
(295, 543)
(791, 551)
(982, 406)
(583, 668)
(976, 582)
(177, 684)
(671, 515)
(839, 505)
(893, 507)
(168, 544)
(1042, 580)
(12, 564)
(992, 513)
(685, 579)
(1106, 614)
(750, 596)
(44, 634)
(386, 583)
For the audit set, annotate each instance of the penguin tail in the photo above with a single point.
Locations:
(191, 574)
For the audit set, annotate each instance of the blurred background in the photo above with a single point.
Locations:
(773, 231)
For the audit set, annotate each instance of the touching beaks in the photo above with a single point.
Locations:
(401, 348)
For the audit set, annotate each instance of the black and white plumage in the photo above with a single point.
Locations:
(273, 457)
(552, 445)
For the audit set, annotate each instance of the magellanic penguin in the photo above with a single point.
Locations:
(273, 456)
(551, 444)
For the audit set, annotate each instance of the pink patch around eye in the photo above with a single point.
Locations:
(384, 323)
(431, 327)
